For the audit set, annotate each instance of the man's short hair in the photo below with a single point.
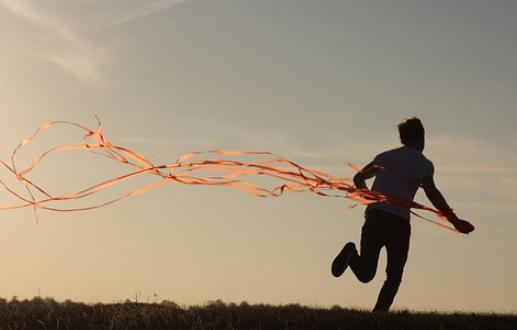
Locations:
(411, 130)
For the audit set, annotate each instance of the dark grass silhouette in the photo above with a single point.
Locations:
(46, 313)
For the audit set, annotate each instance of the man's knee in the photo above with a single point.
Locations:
(366, 276)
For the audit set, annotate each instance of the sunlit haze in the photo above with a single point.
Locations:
(322, 83)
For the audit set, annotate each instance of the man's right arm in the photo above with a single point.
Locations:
(436, 197)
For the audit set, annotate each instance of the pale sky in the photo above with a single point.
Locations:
(322, 83)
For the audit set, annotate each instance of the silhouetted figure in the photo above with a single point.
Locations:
(403, 171)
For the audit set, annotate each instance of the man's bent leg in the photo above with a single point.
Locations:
(364, 265)
(397, 247)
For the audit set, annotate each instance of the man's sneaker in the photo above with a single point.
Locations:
(343, 259)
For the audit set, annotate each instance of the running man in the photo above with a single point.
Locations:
(398, 172)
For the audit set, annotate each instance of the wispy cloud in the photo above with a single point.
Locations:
(452, 154)
(140, 12)
(75, 52)
(72, 52)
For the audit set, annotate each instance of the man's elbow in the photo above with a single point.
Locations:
(359, 180)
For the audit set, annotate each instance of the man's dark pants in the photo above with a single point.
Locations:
(383, 229)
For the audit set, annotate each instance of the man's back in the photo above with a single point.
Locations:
(402, 173)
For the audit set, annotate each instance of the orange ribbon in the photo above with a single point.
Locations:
(293, 177)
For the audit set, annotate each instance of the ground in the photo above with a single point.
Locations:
(46, 313)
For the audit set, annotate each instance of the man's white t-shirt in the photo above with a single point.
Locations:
(404, 170)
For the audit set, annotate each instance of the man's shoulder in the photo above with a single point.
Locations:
(428, 164)
(394, 152)
(427, 160)
(404, 152)
(390, 151)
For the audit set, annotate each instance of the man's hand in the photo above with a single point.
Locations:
(462, 226)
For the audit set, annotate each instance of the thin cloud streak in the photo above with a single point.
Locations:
(143, 11)
(29, 13)
(452, 154)
(76, 56)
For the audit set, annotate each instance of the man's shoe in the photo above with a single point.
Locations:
(343, 259)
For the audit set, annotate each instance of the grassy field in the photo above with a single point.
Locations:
(41, 313)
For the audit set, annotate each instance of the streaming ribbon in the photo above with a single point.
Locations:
(293, 177)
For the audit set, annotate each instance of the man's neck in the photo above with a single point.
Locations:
(413, 146)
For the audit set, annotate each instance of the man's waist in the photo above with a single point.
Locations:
(380, 213)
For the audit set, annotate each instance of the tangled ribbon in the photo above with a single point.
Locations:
(293, 177)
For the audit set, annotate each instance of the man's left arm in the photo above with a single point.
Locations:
(369, 171)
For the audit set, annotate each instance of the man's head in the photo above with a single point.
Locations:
(412, 133)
